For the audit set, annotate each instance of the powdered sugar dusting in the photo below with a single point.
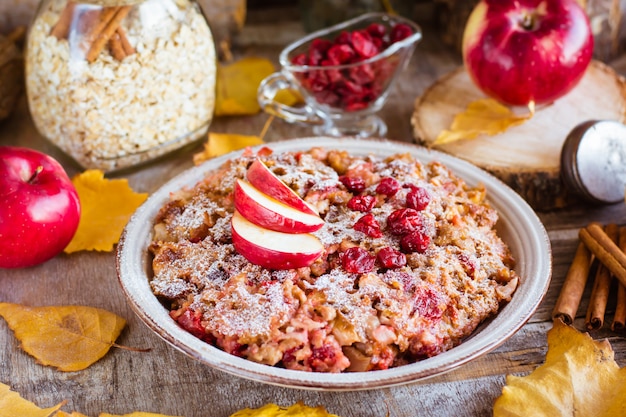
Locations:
(316, 318)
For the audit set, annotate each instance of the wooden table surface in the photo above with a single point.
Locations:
(166, 381)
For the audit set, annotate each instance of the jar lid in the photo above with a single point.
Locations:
(593, 161)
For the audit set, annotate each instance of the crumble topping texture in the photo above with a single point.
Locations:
(322, 318)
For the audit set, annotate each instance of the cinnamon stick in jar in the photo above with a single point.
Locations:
(106, 27)
(619, 319)
(601, 286)
(574, 286)
(61, 29)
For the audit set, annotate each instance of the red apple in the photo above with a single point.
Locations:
(273, 250)
(522, 51)
(267, 182)
(267, 212)
(39, 207)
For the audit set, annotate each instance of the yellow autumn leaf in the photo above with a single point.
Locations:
(106, 207)
(222, 143)
(273, 410)
(482, 117)
(135, 414)
(70, 338)
(237, 85)
(13, 405)
(579, 378)
(62, 413)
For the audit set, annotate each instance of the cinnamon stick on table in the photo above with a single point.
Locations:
(600, 292)
(619, 319)
(605, 250)
(574, 286)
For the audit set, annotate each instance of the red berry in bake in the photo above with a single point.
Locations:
(362, 203)
(357, 260)
(355, 185)
(418, 198)
(388, 186)
(391, 258)
(469, 265)
(369, 225)
(416, 241)
(403, 221)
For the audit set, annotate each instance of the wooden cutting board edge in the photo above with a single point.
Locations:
(541, 187)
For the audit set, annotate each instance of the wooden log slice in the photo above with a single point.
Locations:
(526, 157)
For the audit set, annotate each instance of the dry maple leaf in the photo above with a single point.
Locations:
(106, 207)
(579, 378)
(222, 143)
(273, 410)
(135, 414)
(70, 338)
(13, 405)
(482, 117)
(237, 86)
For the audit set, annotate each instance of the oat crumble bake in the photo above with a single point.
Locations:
(412, 264)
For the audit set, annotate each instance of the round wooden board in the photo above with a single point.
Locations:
(526, 157)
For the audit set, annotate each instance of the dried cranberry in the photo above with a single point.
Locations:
(191, 321)
(377, 30)
(327, 97)
(380, 43)
(403, 221)
(362, 203)
(300, 59)
(369, 225)
(356, 104)
(353, 184)
(388, 186)
(418, 198)
(400, 31)
(469, 266)
(343, 38)
(362, 74)
(350, 89)
(357, 261)
(363, 45)
(391, 258)
(333, 75)
(320, 45)
(341, 54)
(416, 241)
(426, 303)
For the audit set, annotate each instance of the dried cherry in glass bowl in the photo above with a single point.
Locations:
(344, 73)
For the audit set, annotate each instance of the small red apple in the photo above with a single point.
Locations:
(267, 212)
(264, 180)
(273, 250)
(518, 51)
(39, 207)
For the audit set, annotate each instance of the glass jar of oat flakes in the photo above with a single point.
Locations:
(115, 83)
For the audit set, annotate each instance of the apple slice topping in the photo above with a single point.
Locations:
(262, 178)
(268, 212)
(271, 249)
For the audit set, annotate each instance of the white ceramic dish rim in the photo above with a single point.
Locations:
(521, 227)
